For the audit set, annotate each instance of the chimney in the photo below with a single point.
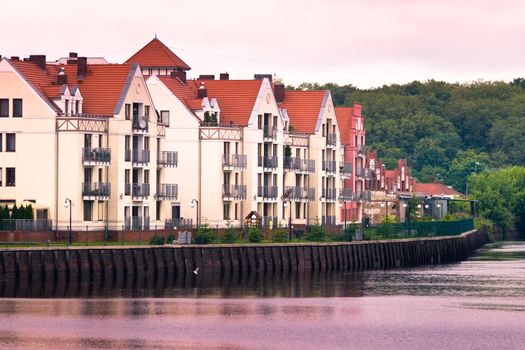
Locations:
(224, 76)
(278, 91)
(262, 76)
(73, 55)
(181, 74)
(207, 77)
(357, 109)
(39, 60)
(61, 77)
(202, 91)
(15, 58)
(81, 68)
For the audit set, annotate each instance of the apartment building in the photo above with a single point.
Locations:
(91, 135)
(353, 141)
(313, 155)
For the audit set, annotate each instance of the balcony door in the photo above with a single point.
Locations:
(175, 211)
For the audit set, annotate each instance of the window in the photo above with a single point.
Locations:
(1, 142)
(236, 211)
(87, 140)
(88, 210)
(77, 107)
(165, 117)
(226, 211)
(146, 112)
(4, 107)
(259, 121)
(10, 176)
(127, 111)
(157, 212)
(66, 102)
(1, 177)
(10, 142)
(17, 108)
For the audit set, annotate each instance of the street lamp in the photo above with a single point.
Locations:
(195, 203)
(68, 204)
(288, 202)
(342, 204)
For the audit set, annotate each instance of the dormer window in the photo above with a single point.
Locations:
(66, 103)
(77, 107)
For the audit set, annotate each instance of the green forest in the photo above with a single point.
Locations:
(449, 132)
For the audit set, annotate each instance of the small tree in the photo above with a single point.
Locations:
(280, 236)
(316, 233)
(253, 235)
(204, 235)
(29, 212)
(230, 234)
(15, 212)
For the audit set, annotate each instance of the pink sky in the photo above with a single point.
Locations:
(364, 43)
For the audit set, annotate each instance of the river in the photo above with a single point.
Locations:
(475, 304)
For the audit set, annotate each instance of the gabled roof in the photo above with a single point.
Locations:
(344, 120)
(303, 109)
(185, 92)
(236, 98)
(436, 189)
(156, 54)
(101, 88)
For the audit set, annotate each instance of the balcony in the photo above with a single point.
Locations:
(297, 193)
(269, 222)
(168, 159)
(140, 156)
(346, 194)
(137, 190)
(329, 166)
(167, 191)
(361, 149)
(328, 220)
(140, 124)
(331, 140)
(364, 173)
(346, 170)
(267, 192)
(329, 194)
(363, 196)
(269, 132)
(234, 161)
(299, 165)
(96, 190)
(170, 224)
(96, 156)
(233, 192)
(268, 162)
(163, 119)
(136, 223)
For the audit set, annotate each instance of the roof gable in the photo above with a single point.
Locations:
(344, 120)
(305, 109)
(156, 54)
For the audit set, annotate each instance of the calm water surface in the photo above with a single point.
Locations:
(476, 304)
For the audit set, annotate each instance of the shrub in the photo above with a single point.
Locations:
(170, 238)
(316, 233)
(230, 235)
(280, 236)
(156, 240)
(204, 235)
(253, 235)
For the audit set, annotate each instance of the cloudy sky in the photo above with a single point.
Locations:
(364, 43)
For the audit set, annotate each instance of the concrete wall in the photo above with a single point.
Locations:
(133, 267)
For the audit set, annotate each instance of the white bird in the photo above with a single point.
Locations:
(196, 271)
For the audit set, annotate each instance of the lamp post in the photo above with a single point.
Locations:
(68, 204)
(195, 203)
(342, 204)
(287, 203)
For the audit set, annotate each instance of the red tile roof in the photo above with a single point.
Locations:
(436, 189)
(303, 109)
(101, 88)
(344, 120)
(236, 98)
(156, 54)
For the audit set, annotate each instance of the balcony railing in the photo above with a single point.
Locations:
(141, 156)
(237, 161)
(167, 191)
(268, 162)
(361, 149)
(269, 222)
(346, 169)
(329, 194)
(270, 132)
(328, 220)
(360, 172)
(96, 190)
(269, 192)
(363, 196)
(329, 166)
(139, 190)
(297, 193)
(170, 224)
(233, 192)
(140, 123)
(331, 140)
(168, 159)
(100, 156)
(163, 119)
(346, 194)
(136, 223)
(299, 165)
